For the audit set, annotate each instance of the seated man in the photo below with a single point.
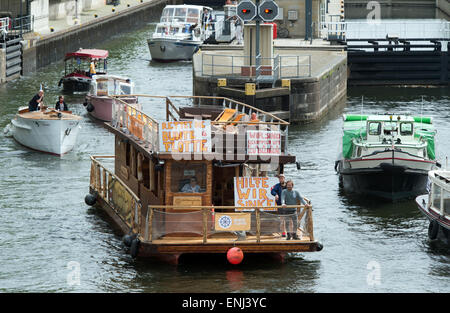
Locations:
(192, 186)
(61, 105)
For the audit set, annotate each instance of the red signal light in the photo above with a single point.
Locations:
(245, 11)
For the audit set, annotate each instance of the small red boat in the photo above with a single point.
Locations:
(77, 76)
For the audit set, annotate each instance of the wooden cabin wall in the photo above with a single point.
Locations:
(138, 172)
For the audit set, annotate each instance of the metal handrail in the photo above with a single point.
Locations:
(271, 67)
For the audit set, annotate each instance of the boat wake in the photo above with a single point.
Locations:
(7, 131)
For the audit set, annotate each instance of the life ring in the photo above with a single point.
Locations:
(433, 229)
(134, 249)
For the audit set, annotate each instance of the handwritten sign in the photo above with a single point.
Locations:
(261, 142)
(193, 136)
(251, 192)
(232, 221)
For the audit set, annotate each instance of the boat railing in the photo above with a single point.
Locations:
(130, 119)
(114, 192)
(208, 222)
(263, 69)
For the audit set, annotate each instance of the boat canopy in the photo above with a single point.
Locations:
(88, 54)
(355, 126)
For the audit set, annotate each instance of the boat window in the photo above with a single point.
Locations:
(390, 128)
(192, 16)
(188, 177)
(102, 88)
(180, 14)
(167, 15)
(406, 129)
(437, 197)
(125, 89)
(174, 30)
(446, 196)
(160, 30)
(374, 128)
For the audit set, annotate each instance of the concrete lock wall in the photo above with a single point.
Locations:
(444, 6)
(296, 27)
(40, 10)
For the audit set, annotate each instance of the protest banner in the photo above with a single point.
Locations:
(261, 142)
(250, 192)
(192, 136)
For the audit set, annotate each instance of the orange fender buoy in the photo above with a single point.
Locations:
(235, 255)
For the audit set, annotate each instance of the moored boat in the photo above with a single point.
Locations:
(183, 28)
(386, 155)
(436, 205)
(77, 76)
(198, 182)
(47, 131)
(98, 101)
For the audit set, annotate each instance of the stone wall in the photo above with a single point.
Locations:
(444, 6)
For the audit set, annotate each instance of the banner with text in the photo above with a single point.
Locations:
(250, 192)
(261, 142)
(193, 136)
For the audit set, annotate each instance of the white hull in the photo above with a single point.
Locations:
(395, 158)
(166, 49)
(55, 136)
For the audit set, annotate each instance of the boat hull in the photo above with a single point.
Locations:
(166, 50)
(76, 83)
(51, 136)
(443, 221)
(388, 174)
(101, 107)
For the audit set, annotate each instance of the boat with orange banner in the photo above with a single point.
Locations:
(197, 182)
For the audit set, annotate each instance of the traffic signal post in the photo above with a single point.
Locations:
(249, 11)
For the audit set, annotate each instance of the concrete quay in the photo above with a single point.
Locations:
(317, 75)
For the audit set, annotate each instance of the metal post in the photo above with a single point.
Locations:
(257, 63)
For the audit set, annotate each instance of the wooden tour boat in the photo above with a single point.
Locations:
(436, 205)
(77, 75)
(45, 130)
(386, 155)
(199, 182)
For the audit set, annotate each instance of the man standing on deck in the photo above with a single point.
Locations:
(291, 197)
(276, 191)
(34, 103)
(92, 71)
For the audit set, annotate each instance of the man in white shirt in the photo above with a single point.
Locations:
(191, 187)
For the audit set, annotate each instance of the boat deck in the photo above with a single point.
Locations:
(48, 115)
(275, 238)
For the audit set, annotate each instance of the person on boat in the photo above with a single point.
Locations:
(207, 18)
(61, 105)
(276, 191)
(92, 71)
(289, 196)
(35, 102)
(192, 186)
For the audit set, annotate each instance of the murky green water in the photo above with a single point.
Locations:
(45, 224)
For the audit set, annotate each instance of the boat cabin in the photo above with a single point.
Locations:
(106, 85)
(203, 176)
(439, 196)
(382, 128)
(77, 63)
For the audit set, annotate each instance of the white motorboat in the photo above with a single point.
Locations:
(183, 28)
(386, 155)
(47, 131)
(436, 205)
